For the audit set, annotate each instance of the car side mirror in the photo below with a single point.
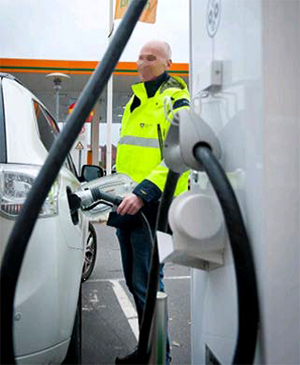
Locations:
(91, 172)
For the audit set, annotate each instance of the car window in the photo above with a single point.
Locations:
(46, 126)
(72, 165)
(48, 131)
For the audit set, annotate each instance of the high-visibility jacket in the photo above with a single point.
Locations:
(143, 130)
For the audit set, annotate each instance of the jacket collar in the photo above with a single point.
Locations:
(153, 85)
(148, 89)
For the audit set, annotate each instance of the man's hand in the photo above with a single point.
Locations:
(131, 204)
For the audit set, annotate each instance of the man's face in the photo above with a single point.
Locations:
(152, 62)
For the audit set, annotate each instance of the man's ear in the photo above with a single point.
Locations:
(169, 64)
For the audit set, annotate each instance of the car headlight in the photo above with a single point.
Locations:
(15, 183)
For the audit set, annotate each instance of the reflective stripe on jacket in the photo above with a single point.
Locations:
(143, 130)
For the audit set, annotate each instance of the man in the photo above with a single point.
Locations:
(140, 155)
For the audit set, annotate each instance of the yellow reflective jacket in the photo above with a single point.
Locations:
(143, 130)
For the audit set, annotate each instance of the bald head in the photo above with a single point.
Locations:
(154, 59)
(160, 46)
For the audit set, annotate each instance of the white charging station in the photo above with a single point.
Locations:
(254, 112)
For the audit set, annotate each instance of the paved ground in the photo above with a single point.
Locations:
(109, 317)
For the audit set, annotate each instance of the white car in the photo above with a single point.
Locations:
(61, 250)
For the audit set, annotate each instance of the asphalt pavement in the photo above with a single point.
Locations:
(109, 326)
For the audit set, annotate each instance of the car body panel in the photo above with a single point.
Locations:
(50, 278)
(53, 355)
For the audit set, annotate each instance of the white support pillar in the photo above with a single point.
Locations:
(109, 119)
(109, 113)
(95, 134)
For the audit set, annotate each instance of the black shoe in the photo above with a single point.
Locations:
(129, 359)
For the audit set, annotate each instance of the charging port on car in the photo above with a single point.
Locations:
(74, 205)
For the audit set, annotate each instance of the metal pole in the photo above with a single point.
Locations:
(109, 111)
(79, 161)
(57, 78)
(159, 331)
(57, 88)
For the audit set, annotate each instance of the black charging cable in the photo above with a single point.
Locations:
(248, 307)
(144, 344)
(18, 240)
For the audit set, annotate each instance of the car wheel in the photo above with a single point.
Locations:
(74, 351)
(90, 253)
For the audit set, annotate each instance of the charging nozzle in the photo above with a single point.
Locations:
(86, 198)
